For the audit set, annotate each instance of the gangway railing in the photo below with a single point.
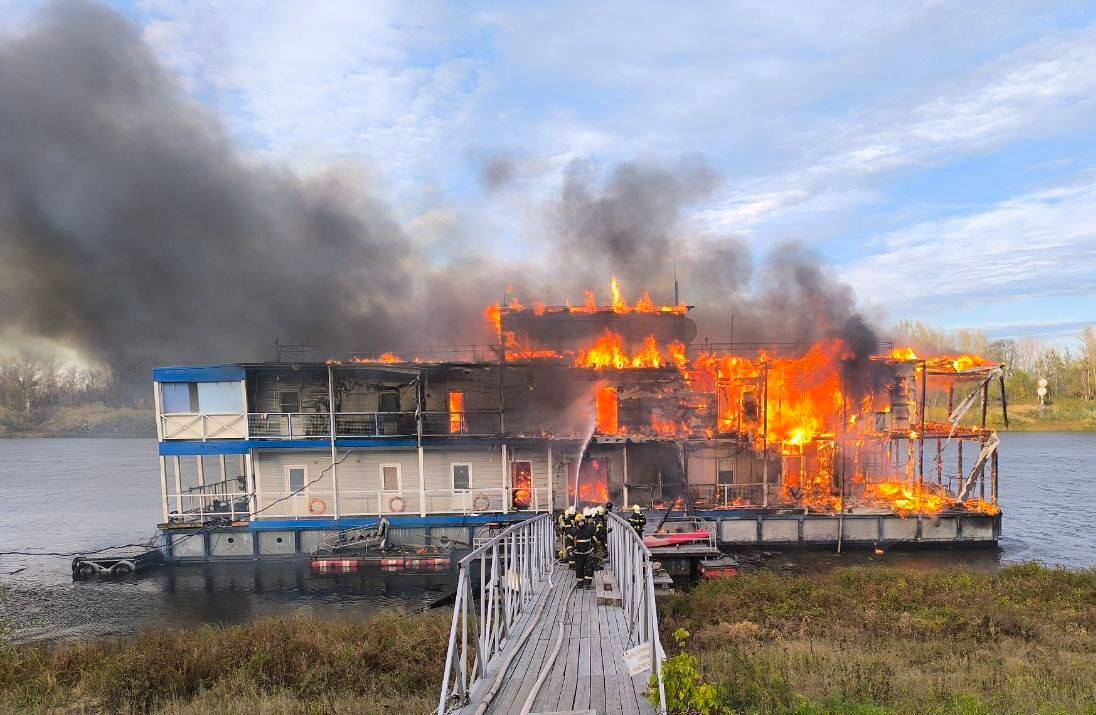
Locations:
(633, 571)
(512, 569)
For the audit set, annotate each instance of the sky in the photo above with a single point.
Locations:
(940, 154)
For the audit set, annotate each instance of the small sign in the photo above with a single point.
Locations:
(1043, 382)
(638, 659)
(1041, 392)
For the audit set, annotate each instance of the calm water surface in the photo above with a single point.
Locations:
(72, 494)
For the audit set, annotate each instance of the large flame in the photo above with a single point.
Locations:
(609, 351)
(795, 408)
(606, 406)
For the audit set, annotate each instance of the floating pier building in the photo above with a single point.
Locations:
(770, 444)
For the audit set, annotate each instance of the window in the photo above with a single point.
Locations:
(179, 397)
(462, 477)
(220, 397)
(390, 401)
(289, 401)
(725, 470)
(521, 481)
(390, 477)
(194, 397)
(296, 477)
(456, 412)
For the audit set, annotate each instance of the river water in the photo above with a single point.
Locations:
(69, 495)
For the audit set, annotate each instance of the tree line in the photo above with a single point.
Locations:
(1070, 372)
(33, 382)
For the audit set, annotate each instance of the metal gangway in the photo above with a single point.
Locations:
(533, 643)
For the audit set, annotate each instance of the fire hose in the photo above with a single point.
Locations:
(497, 683)
(548, 664)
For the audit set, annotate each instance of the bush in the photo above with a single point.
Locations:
(390, 660)
(870, 640)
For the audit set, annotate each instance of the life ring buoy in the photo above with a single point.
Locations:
(316, 506)
(396, 504)
(486, 504)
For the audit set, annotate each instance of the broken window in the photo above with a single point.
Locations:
(389, 401)
(725, 470)
(289, 401)
(456, 413)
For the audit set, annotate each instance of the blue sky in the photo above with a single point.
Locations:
(941, 154)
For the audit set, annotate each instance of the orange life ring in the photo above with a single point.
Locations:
(486, 502)
(392, 504)
(317, 506)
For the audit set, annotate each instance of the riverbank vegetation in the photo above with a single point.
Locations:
(41, 396)
(880, 641)
(1069, 372)
(855, 641)
(388, 663)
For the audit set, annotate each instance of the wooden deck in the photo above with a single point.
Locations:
(589, 674)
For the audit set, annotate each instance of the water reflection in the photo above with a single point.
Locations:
(220, 593)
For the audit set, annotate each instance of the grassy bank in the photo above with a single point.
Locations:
(390, 663)
(1065, 415)
(94, 420)
(874, 641)
(857, 641)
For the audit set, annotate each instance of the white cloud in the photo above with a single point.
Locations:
(335, 80)
(1040, 245)
(1040, 90)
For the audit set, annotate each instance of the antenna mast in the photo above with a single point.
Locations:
(677, 299)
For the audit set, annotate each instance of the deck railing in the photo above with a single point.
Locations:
(512, 569)
(633, 571)
(204, 425)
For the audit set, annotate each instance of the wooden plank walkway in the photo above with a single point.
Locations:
(589, 673)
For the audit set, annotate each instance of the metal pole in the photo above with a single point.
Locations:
(551, 478)
(505, 482)
(993, 476)
(420, 396)
(331, 426)
(178, 486)
(982, 439)
(765, 440)
(921, 441)
(624, 448)
(163, 485)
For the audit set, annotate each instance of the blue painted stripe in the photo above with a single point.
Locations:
(289, 444)
(428, 441)
(377, 442)
(213, 447)
(198, 373)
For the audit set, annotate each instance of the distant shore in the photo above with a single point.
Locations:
(98, 420)
(93, 420)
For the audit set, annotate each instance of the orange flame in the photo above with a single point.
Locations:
(609, 352)
(456, 412)
(606, 406)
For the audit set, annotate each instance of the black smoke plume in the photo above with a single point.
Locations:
(131, 227)
(133, 230)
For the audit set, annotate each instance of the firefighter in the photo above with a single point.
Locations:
(569, 537)
(601, 533)
(637, 520)
(584, 550)
(566, 524)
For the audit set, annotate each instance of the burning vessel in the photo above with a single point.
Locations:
(823, 443)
